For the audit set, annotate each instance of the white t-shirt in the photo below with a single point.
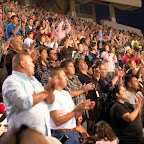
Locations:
(27, 43)
(63, 103)
(133, 97)
(52, 45)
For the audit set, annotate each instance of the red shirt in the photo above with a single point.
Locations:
(126, 57)
(38, 32)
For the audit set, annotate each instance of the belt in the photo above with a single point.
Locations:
(63, 130)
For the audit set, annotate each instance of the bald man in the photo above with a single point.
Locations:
(24, 96)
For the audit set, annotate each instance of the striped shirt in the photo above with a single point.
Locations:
(42, 75)
(74, 84)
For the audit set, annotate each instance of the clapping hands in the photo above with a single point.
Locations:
(85, 105)
(88, 87)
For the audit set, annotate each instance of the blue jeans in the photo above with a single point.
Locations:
(72, 137)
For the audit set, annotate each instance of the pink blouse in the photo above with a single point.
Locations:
(109, 60)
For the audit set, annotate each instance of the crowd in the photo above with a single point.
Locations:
(75, 80)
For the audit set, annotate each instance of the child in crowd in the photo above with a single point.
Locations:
(29, 40)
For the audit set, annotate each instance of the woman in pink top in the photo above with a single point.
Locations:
(109, 60)
(105, 134)
(60, 32)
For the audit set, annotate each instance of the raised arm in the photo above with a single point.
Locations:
(68, 29)
(100, 35)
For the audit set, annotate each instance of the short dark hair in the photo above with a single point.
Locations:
(55, 71)
(98, 63)
(78, 44)
(93, 44)
(29, 32)
(127, 79)
(49, 50)
(29, 19)
(18, 57)
(8, 12)
(82, 41)
(14, 17)
(35, 21)
(38, 27)
(65, 63)
(39, 37)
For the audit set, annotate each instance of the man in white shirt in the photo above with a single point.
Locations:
(25, 98)
(63, 111)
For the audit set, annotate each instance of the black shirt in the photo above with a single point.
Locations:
(97, 113)
(127, 132)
